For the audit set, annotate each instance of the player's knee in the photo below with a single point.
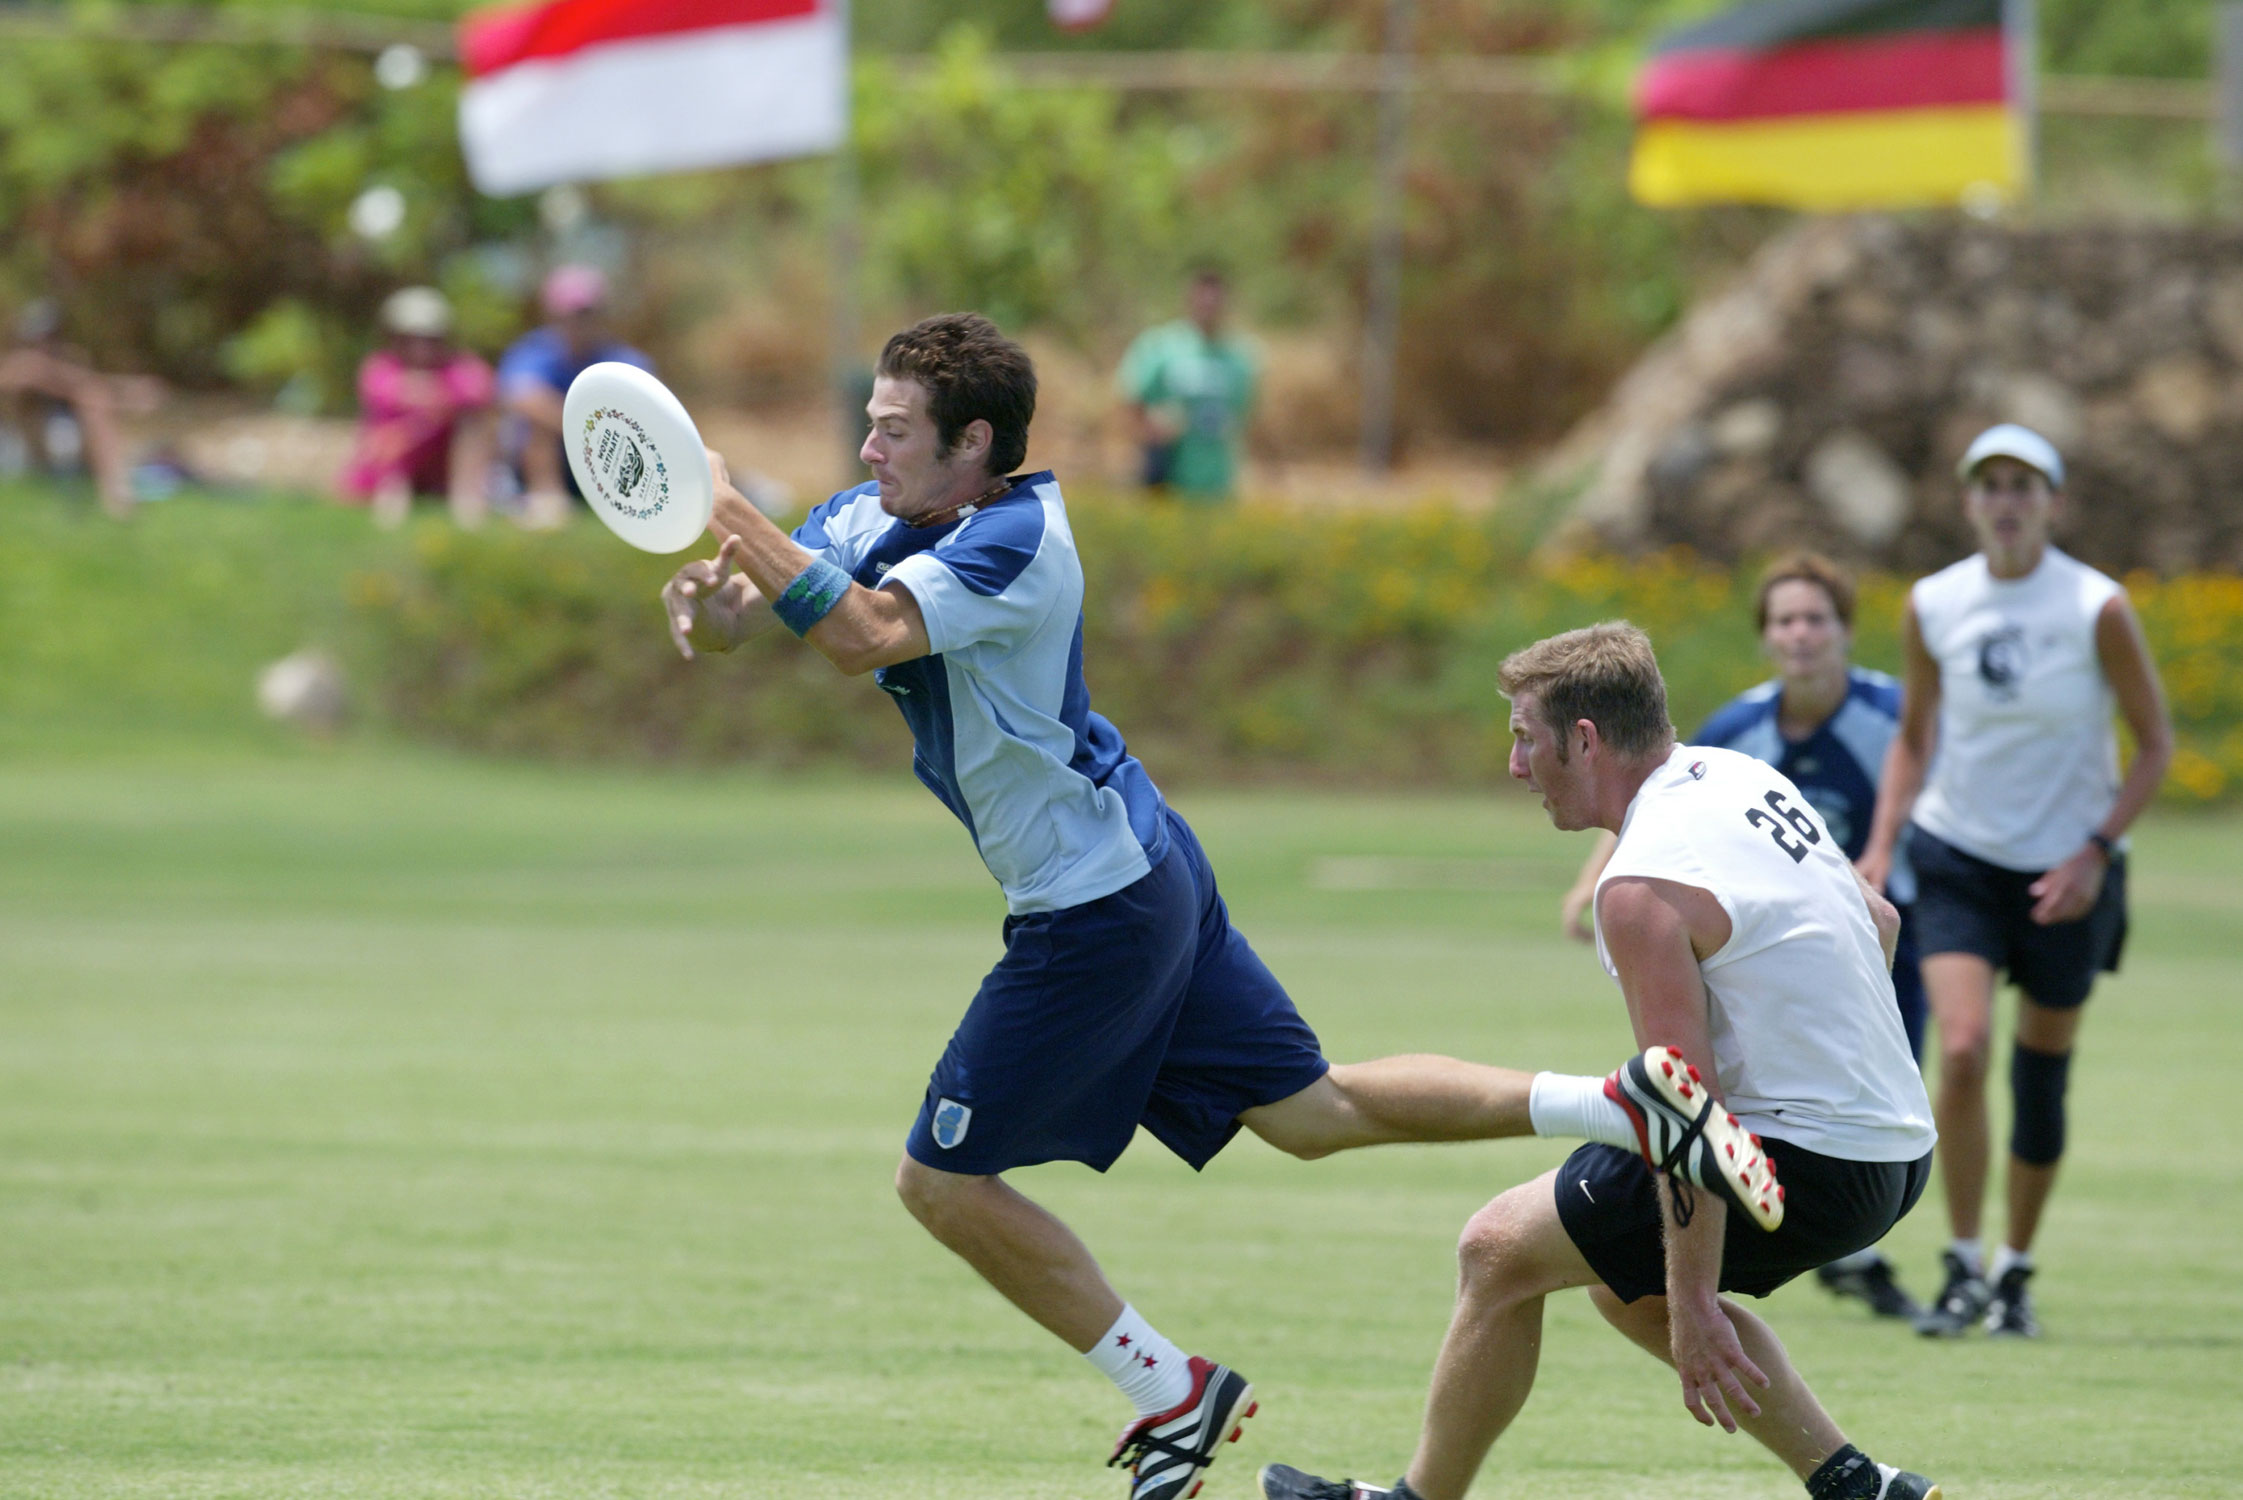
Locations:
(1302, 1148)
(2037, 1082)
(929, 1196)
(1495, 1246)
(1962, 1060)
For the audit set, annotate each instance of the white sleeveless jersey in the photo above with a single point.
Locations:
(1807, 1040)
(2027, 763)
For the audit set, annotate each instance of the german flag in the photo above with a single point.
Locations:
(1830, 105)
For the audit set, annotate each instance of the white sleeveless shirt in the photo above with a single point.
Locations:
(2027, 761)
(1807, 1040)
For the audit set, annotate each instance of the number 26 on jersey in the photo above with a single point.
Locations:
(1785, 813)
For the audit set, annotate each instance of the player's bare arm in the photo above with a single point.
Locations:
(1909, 756)
(1717, 1375)
(865, 630)
(2068, 892)
(1657, 932)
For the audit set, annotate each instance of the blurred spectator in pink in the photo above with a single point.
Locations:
(64, 410)
(534, 374)
(425, 420)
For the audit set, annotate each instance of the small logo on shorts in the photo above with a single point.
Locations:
(952, 1120)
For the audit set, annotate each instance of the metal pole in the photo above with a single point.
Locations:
(1383, 315)
(2227, 90)
(845, 242)
(2021, 21)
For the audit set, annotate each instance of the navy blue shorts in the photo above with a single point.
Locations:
(1145, 1007)
(1908, 983)
(1966, 905)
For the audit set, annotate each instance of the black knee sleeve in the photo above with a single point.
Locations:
(2036, 1090)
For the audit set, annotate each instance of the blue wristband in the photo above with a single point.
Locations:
(811, 596)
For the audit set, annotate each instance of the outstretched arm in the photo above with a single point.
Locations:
(865, 629)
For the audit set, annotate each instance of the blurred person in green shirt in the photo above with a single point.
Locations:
(1189, 386)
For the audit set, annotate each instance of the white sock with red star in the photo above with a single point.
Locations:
(1150, 1370)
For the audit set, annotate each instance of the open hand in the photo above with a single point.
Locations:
(703, 603)
(1713, 1365)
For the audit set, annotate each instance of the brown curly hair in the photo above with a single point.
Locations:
(969, 371)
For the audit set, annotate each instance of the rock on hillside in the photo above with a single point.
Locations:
(1824, 399)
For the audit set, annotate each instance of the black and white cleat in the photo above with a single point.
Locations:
(1685, 1132)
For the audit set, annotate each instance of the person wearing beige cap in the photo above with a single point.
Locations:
(2017, 657)
(425, 424)
(534, 374)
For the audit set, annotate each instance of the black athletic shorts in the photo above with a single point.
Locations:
(1608, 1201)
(1965, 905)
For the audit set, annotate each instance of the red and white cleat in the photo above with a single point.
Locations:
(1685, 1132)
(1167, 1452)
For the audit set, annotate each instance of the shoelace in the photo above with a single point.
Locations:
(1133, 1450)
(1332, 1489)
(1685, 1195)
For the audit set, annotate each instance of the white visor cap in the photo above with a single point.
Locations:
(417, 312)
(2012, 441)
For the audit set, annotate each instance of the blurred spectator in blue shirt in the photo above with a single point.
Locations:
(534, 374)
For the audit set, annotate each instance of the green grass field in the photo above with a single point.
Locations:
(379, 1125)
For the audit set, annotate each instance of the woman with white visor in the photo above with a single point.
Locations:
(2016, 658)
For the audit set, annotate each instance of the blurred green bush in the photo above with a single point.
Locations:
(1229, 645)
(1246, 643)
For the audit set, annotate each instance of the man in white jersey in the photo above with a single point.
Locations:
(2016, 658)
(1826, 724)
(1124, 997)
(1741, 938)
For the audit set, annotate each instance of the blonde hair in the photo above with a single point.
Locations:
(1604, 673)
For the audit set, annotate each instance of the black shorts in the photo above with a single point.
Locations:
(1966, 905)
(1608, 1201)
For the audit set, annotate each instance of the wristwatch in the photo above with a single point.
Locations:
(2109, 848)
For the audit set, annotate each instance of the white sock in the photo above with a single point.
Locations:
(1566, 1104)
(2005, 1257)
(1150, 1370)
(1971, 1252)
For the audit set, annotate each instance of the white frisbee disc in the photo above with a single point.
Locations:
(637, 457)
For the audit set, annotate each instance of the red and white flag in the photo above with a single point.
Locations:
(1077, 15)
(573, 90)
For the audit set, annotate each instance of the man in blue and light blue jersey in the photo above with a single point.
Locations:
(1124, 996)
(1825, 724)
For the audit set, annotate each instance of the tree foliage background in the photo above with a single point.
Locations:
(189, 203)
